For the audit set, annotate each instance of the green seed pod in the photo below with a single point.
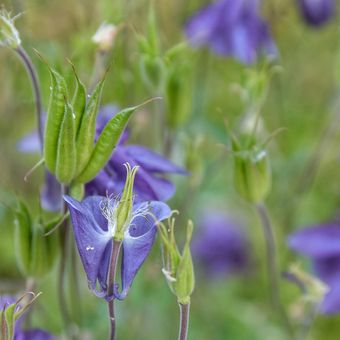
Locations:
(252, 173)
(177, 100)
(22, 238)
(179, 270)
(185, 278)
(66, 148)
(106, 142)
(55, 115)
(152, 71)
(78, 101)
(35, 252)
(87, 129)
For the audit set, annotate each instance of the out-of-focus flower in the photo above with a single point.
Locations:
(232, 28)
(97, 221)
(11, 319)
(321, 243)
(149, 182)
(9, 36)
(317, 12)
(105, 36)
(221, 246)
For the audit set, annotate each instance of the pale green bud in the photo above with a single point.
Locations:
(252, 172)
(179, 269)
(9, 35)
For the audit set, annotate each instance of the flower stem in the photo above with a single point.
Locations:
(111, 284)
(36, 89)
(184, 322)
(272, 267)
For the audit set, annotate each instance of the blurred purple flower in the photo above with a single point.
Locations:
(321, 243)
(232, 28)
(221, 246)
(317, 12)
(19, 333)
(94, 239)
(150, 183)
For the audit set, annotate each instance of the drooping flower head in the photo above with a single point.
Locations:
(321, 243)
(220, 246)
(97, 221)
(232, 28)
(317, 12)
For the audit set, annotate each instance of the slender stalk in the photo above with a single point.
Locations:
(272, 267)
(62, 265)
(184, 322)
(111, 284)
(36, 89)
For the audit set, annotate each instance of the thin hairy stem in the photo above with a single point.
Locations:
(36, 89)
(184, 321)
(111, 285)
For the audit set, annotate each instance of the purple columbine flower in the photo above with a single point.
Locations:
(221, 246)
(232, 28)
(150, 183)
(317, 12)
(94, 223)
(321, 243)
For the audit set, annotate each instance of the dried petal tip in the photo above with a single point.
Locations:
(9, 35)
(105, 36)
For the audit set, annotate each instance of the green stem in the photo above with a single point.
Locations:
(184, 320)
(36, 89)
(111, 285)
(272, 267)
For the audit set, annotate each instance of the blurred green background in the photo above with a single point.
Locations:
(302, 97)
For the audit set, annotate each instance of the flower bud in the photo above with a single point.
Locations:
(252, 172)
(179, 270)
(35, 252)
(9, 35)
(105, 36)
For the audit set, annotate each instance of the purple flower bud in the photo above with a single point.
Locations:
(317, 12)
(321, 243)
(232, 28)
(220, 246)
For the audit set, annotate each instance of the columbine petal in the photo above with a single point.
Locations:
(92, 238)
(138, 241)
(33, 334)
(152, 161)
(318, 241)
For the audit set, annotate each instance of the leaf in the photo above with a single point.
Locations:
(106, 142)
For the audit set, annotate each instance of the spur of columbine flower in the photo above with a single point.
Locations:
(102, 223)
